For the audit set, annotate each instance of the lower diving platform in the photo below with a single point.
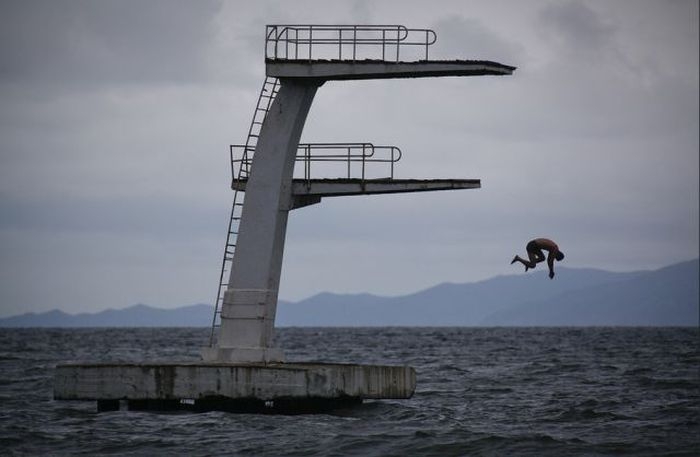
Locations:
(341, 187)
(307, 192)
(355, 159)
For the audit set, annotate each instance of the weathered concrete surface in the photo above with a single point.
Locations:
(202, 380)
(330, 70)
(249, 305)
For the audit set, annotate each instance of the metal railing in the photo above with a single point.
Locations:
(354, 155)
(346, 42)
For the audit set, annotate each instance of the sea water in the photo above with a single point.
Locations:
(480, 391)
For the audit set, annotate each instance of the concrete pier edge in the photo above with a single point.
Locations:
(236, 387)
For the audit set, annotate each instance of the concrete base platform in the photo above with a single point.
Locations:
(205, 386)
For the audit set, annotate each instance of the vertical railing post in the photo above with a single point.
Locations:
(296, 44)
(311, 37)
(363, 163)
(398, 31)
(354, 42)
(383, 44)
(392, 162)
(233, 168)
(427, 40)
(340, 43)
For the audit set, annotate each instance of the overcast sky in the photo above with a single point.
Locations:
(115, 121)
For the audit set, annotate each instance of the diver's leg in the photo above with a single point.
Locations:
(535, 257)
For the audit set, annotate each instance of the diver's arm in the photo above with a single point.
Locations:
(550, 264)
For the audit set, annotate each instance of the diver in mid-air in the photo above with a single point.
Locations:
(535, 255)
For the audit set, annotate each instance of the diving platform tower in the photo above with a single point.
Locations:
(272, 175)
(299, 59)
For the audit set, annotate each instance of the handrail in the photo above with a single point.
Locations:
(307, 153)
(309, 41)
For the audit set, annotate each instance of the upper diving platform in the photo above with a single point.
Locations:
(351, 52)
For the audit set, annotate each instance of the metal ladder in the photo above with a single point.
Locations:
(269, 91)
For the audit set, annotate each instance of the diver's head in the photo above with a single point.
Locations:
(560, 256)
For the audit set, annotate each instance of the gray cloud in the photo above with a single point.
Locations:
(461, 37)
(80, 42)
(578, 29)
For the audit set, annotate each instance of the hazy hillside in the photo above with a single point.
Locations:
(134, 316)
(576, 297)
(443, 305)
(667, 297)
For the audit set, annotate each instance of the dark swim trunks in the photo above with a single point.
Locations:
(532, 247)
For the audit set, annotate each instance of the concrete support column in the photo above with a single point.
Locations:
(250, 303)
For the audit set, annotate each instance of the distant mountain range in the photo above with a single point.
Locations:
(133, 316)
(576, 297)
